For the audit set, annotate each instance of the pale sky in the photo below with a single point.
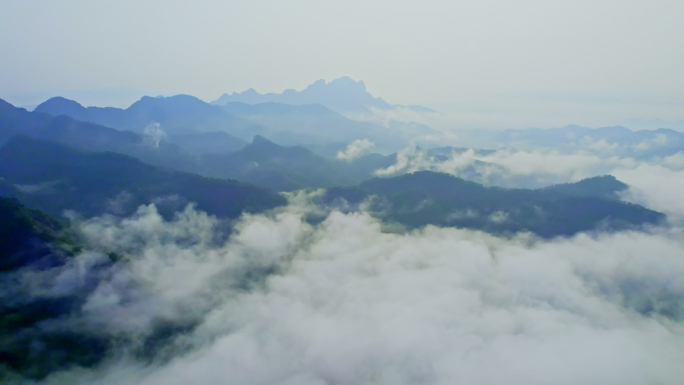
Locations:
(627, 55)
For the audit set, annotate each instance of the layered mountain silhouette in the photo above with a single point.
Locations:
(180, 114)
(183, 115)
(91, 136)
(426, 197)
(54, 177)
(342, 95)
(207, 153)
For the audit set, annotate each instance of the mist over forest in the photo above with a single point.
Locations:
(318, 194)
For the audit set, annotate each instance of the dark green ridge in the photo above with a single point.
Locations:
(426, 197)
(55, 177)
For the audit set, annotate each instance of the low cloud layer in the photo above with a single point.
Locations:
(510, 168)
(283, 301)
(656, 183)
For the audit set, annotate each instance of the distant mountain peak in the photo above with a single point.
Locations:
(61, 104)
(5, 105)
(250, 91)
(318, 83)
(175, 98)
(61, 99)
(348, 82)
(258, 139)
(341, 95)
(344, 82)
(259, 144)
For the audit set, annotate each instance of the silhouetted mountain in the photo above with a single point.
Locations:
(341, 95)
(90, 136)
(15, 120)
(54, 177)
(180, 114)
(62, 106)
(281, 168)
(605, 140)
(425, 197)
(184, 115)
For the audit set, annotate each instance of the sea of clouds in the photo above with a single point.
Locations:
(284, 300)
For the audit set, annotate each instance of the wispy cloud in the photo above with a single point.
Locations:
(355, 149)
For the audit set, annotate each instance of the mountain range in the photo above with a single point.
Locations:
(215, 154)
(429, 198)
(344, 95)
(91, 136)
(54, 177)
(181, 117)
(183, 133)
(179, 114)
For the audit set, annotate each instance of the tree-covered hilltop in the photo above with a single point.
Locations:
(32, 242)
(426, 197)
(280, 168)
(27, 235)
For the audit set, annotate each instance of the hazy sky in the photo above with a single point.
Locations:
(429, 52)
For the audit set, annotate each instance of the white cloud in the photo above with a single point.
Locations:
(498, 217)
(343, 302)
(409, 159)
(509, 168)
(153, 134)
(675, 162)
(355, 149)
(655, 186)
